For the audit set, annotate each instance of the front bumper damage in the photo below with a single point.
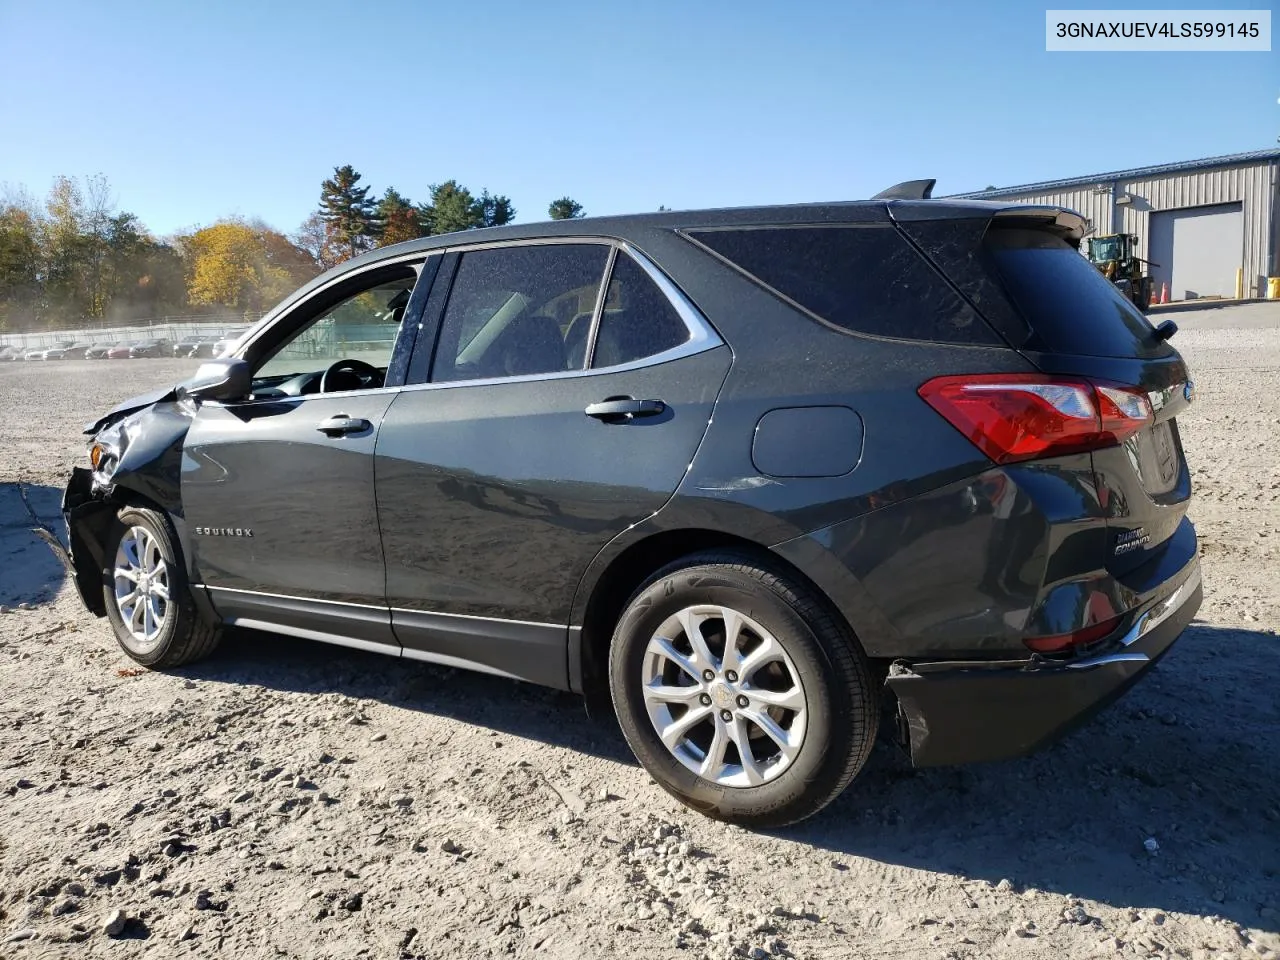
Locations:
(971, 711)
(87, 518)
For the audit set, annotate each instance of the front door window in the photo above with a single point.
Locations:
(345, 347)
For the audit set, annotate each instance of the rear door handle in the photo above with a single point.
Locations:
(342, 424)
(621, 409)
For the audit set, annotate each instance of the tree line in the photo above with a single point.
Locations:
(77, 259)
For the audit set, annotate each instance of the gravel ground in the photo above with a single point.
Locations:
(290, 799)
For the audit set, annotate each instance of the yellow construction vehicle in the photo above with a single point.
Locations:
(1116, 256)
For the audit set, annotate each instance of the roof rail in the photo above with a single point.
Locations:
(908, 190)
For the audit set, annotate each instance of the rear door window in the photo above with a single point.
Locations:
(511, 311)
(637, 321)
(1070, 306)
(862, 279)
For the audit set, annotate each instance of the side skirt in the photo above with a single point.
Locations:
(535, 652)
(348, 624)
(520, 650)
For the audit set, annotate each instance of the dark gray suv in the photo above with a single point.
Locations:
(748, 475)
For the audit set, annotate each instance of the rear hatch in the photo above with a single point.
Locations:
(1023, 270)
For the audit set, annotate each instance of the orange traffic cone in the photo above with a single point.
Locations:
(1164, 293)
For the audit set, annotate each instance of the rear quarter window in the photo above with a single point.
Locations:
(861, 279)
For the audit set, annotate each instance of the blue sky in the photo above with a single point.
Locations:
(197, 111)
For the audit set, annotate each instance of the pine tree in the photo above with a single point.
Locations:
(452, 208)
(565, 209)
(399, 219)
(495, 210)
(348, 212)
(426, 218)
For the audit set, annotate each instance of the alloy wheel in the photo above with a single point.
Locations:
(723, 695)
(141, 587)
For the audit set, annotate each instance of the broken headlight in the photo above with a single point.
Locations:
(104, 459)
(107, 448)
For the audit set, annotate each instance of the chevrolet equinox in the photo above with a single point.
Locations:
(747, 474)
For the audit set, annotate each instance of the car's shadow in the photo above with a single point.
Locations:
(29, 571)
(518, 709)
(1188, 759)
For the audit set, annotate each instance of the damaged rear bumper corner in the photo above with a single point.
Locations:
(968, 712)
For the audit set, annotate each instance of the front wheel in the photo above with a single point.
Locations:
(148, 600)
(740, 692)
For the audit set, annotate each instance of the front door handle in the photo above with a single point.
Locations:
(342, 424)
(622, 409)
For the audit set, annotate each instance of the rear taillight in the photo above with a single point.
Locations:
(1068, 641)
(1012, 417)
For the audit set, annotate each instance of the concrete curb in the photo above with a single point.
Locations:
(1185, 306)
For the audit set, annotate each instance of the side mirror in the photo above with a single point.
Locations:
(223, 379)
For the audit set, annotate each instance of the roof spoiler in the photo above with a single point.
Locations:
(1064, 222)
(1068, 224)
(908, 190)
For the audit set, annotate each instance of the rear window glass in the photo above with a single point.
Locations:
(1070, 305)
(862, 279)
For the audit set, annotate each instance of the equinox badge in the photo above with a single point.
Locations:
(1132, 540)
(224, 531)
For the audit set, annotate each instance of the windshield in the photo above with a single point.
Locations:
(1106, 249)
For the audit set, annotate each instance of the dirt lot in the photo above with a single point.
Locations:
(287, 799)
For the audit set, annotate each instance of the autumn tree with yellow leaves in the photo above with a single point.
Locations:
(242, 265)
(77, 259)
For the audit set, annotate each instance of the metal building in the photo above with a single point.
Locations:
(1211, 228)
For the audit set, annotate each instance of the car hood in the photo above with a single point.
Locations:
(130, 405)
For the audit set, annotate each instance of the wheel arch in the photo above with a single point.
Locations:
(90, 524)
(185, 631)
(607, 596)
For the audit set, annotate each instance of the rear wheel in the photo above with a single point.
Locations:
(741, 693)
(146, 593)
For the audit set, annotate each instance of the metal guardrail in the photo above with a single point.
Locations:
(323, 340)
(339, 340)
(167, 328)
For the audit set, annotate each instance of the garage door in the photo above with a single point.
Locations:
(1198, 250)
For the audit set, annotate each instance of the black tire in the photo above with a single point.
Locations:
(841, 697)
(184, 636)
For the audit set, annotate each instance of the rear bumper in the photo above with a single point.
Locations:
(970, 711)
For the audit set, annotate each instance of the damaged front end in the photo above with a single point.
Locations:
(88, 518)
(135, 458)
